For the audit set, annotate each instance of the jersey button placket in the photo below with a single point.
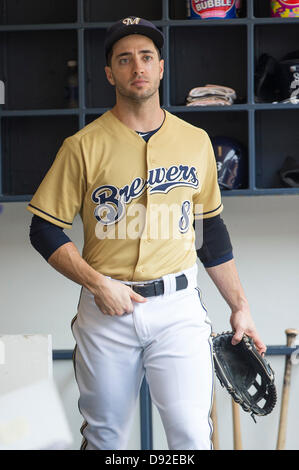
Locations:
(144, 245)
(150, 162)
(141, 326)
(140, 269)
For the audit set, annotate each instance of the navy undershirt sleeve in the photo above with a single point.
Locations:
(216, 247)
(46, 237)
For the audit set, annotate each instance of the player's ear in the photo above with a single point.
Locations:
(109, 75)
(161, 68)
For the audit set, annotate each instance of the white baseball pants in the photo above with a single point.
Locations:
(167, 339)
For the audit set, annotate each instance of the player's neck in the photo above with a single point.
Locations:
(143, 117)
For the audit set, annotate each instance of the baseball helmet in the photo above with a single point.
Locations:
(231, 167)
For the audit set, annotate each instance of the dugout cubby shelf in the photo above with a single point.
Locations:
(38, 38)
(99, 11)
(273, 145)
(276, 40)
(261, 9)
(226, 124)
(29, 147)
(24, 12)
(193, 64)
(35, 67)
(96, 96)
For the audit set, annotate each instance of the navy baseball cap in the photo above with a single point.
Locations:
(132, 25)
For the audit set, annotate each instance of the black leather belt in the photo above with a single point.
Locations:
(154, 288)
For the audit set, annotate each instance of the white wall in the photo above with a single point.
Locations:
(265, 235)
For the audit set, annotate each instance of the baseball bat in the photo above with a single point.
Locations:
(236, 426)
(215, 436)
(281, 438)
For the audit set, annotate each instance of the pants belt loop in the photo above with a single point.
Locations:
(191, 275)
(166, 280)
(169, 284)
(172, 283)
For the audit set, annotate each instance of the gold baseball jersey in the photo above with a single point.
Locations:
(137, 200)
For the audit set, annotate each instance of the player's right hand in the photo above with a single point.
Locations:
(115, 298)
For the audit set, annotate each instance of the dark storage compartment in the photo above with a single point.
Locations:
(29, 146)
(262, 8)
(99, 92)
(33, 65)
(97, 11)
(201, 55)
(224, 124)
(274, 43)
(37, 11)
(278, 40)
(277, 137)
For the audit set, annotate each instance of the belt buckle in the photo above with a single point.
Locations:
(141, 284)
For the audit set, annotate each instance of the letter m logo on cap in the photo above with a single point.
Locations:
(131, 20)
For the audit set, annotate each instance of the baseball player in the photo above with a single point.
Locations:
(142, 180)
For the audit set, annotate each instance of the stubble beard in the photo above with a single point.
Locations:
(135, 96)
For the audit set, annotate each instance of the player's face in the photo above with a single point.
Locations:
(136, 69)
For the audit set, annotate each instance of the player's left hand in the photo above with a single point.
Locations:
(242, 323)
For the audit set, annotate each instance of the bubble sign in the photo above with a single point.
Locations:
(202, 9)
(2, 92)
